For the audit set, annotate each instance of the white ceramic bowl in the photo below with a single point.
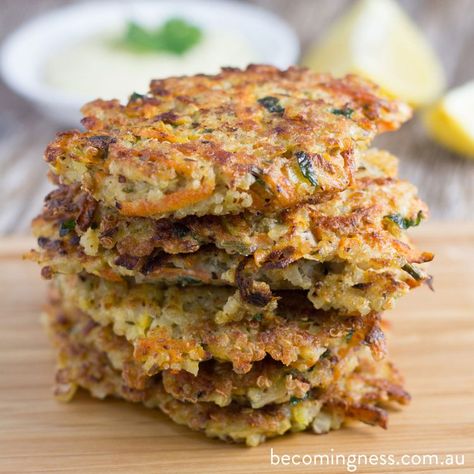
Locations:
(23, 54)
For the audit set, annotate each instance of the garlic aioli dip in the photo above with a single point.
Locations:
(97, 67)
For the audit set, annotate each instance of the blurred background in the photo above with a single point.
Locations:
(445, 178)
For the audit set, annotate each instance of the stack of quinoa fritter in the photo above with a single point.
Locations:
(223, 247)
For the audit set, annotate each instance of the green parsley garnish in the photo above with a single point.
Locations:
(349, 335)
(404, 222)
(306, 167)
(272, 104)
(175, 36)
(66, 227)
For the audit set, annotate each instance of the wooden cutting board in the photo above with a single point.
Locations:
(432, 341)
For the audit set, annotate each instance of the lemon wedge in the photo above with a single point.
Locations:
(450, 121)
(377, 40)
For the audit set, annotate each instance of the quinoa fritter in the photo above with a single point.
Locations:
(222, 247)
(313, 231)
(359, 396)
(258, 139)
(85, 360)
(348, 252)
(178, 328)
(350, 289)
(267, 382)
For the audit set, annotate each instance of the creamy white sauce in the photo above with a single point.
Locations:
(96, 67)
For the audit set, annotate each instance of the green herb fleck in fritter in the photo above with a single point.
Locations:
(136, 96)
(272, 104)
(306, 167)
(405, 222)
(346, 112)
(412, 271)
(66, 227)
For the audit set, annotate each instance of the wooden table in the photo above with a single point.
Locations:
(432, 341)
(445, 180)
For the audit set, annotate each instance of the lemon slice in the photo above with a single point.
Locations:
(450, 120)
(377, 40)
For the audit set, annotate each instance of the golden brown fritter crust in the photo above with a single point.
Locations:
(87, 358)
(178, 328)
(259, 140)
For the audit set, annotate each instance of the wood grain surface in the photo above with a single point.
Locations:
(445, 180)
(432, 341)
